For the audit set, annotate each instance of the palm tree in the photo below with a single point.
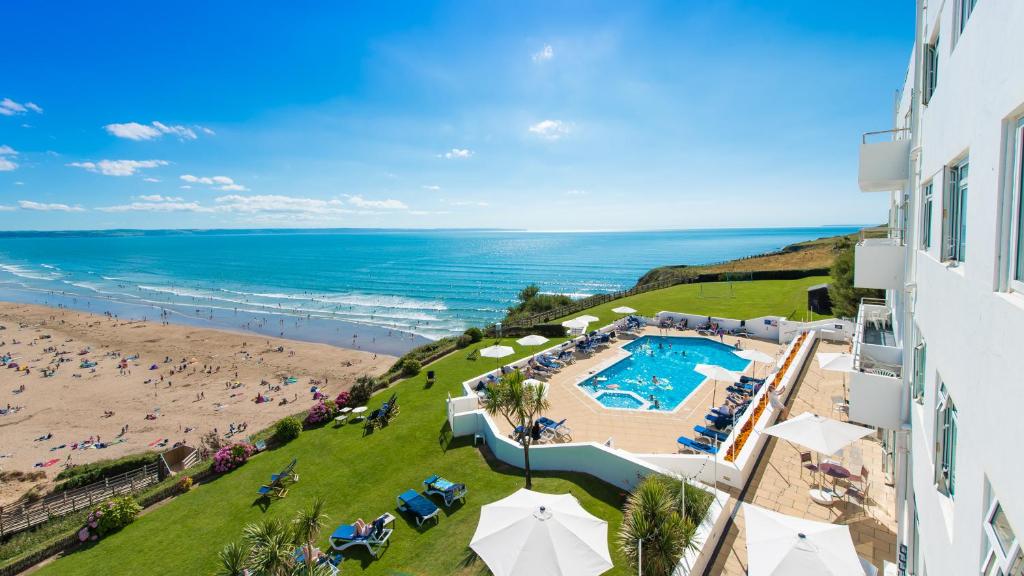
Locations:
(271, 547)
(520, 405)
(233, 559)
(308, 522)
(652, 522)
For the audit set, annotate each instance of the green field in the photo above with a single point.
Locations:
(360, 476)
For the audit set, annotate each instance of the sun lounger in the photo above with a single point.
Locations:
(272, 490)
(345, 536)
(717, 435)
(287, 474)
(719, 422)
(691, 445)
(449, 491)
(420, 507)
(554, 430)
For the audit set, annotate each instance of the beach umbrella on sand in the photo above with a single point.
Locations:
(535, 534)
(496, 352)
(624, 310)
(823, 435)
(781, 545)
(531, 340)
(755, 356)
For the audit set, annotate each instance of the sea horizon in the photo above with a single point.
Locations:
(382, 290)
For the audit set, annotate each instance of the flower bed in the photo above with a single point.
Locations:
(230, 457)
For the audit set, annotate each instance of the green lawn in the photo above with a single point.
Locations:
(360, 476)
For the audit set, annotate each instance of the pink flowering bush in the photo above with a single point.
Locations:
(343, 399)
(318, 413)
(230, 457)
(109, 517)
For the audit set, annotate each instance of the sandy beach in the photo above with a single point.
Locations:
(165, 382)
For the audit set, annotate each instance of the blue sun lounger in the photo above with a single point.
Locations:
(419, 506)
(446, 489)
(718, 435)
(345, 536)
(689, 444)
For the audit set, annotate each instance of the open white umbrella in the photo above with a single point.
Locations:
(531, 340)
(535, 534)
(587, 317)
(535, 383)
(835, 362)
(823, 435)
(576, 323)
(496, 351)
(716, 372)
(781, 545)
(755, 356)
(624, 310)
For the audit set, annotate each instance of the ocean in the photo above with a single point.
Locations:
(379, 290)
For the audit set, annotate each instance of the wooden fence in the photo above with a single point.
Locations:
(22, 515)
(588, 302)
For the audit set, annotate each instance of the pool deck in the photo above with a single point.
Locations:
(639, 431)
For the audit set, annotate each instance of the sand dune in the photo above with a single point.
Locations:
(190, 387)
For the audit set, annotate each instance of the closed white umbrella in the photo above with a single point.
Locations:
(535, 534)
(823, 435)
(623, 310)
(781, 545)
(531, 340)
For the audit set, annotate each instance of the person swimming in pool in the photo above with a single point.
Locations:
(654, 380)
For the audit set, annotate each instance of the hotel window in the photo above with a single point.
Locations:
(1003, 556)
(1017, 241)
(926, 217)
(920, 365)
(931, 70)
(964, 10)
(945, 442)
(954, 214)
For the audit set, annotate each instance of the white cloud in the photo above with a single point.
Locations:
(546, 53)
(42, 207)
(6, 164)
(118, 167)
(6, 208)
(151, 179)
(185, 187)
(550, 129)
(219, 182)
(207, 131)
(469, 203)
(9, 107)
(455, 153)
(388, 204)
(159, 206)
(431, 187)
(153, 130)
(19, 183)
(575, 192)
(159, 198)
(278, 203)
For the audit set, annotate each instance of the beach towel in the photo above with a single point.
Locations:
(47, 464)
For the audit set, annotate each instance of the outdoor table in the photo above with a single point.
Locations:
(834, 471)
(340, 418)
(345, 410)
(358, 412)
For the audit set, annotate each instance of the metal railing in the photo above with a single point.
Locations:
(881, 232)
(861, 362)
(896, 134)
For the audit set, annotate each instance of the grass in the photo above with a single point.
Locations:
(360, 476)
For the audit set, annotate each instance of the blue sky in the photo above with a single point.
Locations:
(618, 115)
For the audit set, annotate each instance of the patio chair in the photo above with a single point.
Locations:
(272, 490)
(714, 435)
(554, 430)
(692, 446)
(449, 491)
(345, 536)
(807, 463)
(420, 507)
(287, 474)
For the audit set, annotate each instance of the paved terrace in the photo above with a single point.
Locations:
(639, 431)
(777, 483)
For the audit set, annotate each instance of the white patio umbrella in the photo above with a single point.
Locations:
(716, 372)
(535, 534)
(534, 382)
(823, 435)
(781, 545)
(531, 340)
(580, 323)
(755, 356)
(624, 310)
(835, 362)
(496, 352)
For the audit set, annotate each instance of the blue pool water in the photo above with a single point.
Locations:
(629, 383)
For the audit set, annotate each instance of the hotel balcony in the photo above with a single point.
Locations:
(878, 259)
(876, 385)
(885, 164)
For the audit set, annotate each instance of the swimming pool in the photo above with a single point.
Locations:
(629, 383)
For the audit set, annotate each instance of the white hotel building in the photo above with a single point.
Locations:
(940, 363)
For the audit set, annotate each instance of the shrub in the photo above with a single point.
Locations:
(360, 393)
(317, 414)
(210, 443)
(332, 407)
(410, 367)
(343, 399)
(475, 334)
(109, 517)
(288, 429)
(185, 484)
(463, 340)
(230, 457)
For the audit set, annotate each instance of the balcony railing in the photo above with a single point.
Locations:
(884, 162)
(875, 349)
